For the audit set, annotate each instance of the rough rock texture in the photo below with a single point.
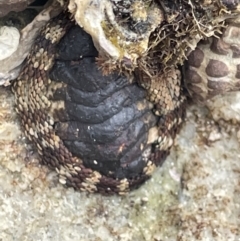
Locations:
(13, 5)
(10, 66)
(18, 19)
(194, 196)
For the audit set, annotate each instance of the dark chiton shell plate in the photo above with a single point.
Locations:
(104, 120)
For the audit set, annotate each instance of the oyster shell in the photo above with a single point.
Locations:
(111, 34)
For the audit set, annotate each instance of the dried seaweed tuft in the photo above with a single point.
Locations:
(186, 23)
(151, 35)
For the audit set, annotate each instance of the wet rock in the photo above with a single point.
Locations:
(13, 5)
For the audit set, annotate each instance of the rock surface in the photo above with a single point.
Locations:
(193, 196)
(10, 66)
(13, 5)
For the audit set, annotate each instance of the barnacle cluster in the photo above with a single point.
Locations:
(151, 35)
(120, 30)
(185, 23)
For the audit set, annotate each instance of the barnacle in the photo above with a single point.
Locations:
(112, 34)
(183, 27)
(159, 36)
(64, 120)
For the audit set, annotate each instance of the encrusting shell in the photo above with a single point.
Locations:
(110, 38)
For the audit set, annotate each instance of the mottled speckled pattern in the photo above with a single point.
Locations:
(213, 67)
(204, 207)
(34, 90)
(194, 196)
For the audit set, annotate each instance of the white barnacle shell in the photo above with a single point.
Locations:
(9, 40)
(95, 17)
